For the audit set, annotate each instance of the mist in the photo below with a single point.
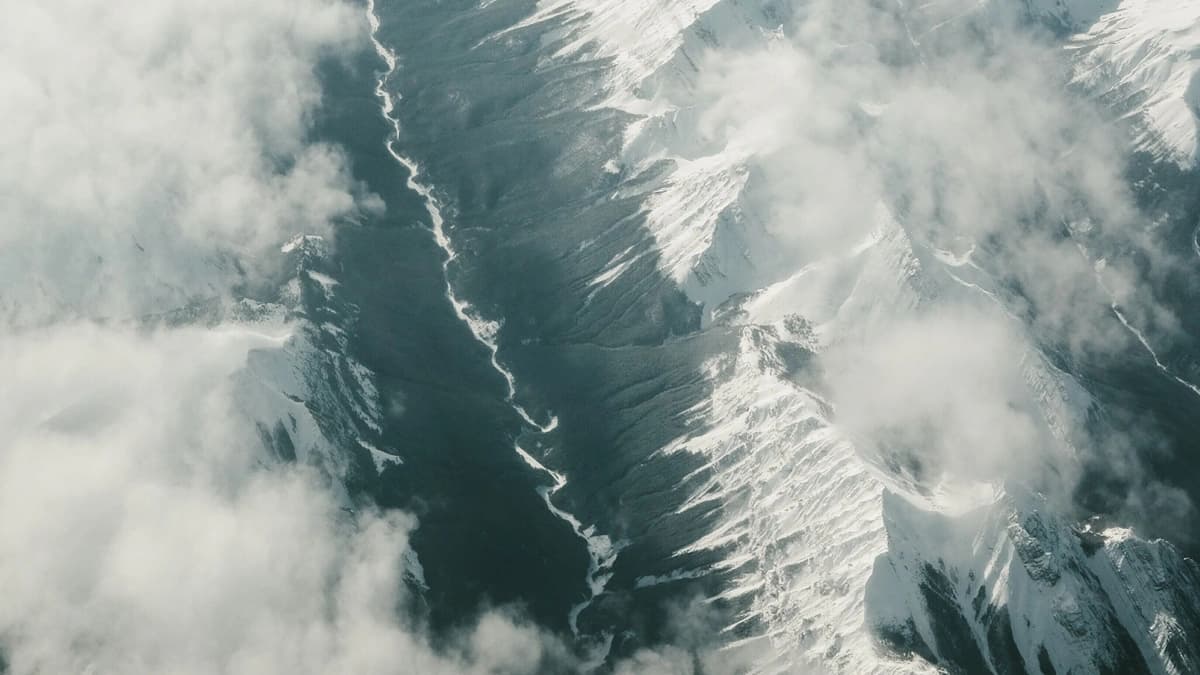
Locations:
(154, 153)
(959, 122)
(156, 156)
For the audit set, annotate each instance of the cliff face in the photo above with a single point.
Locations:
(1012, 588)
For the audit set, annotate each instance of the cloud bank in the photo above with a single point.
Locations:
(145, 531)
(150, 149)
(155, 154)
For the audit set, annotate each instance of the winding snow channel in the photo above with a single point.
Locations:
(602, 552)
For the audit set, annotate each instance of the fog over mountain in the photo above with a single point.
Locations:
(600, 336)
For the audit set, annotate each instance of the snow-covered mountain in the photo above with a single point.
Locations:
(852, 547)
(1141, 58)
(723, 336)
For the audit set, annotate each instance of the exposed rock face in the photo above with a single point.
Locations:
(1140, 55)
(1020, 590)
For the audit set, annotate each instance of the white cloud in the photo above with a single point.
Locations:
(964, 134)
(945, 390)
(147, 145)
(154, 153)
(959, 120)
(144, 532)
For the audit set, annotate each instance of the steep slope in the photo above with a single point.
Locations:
(1141, 56)
(818, 531)
(1012, 588)
(795, 297)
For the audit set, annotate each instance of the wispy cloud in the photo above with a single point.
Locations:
(960, 120)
